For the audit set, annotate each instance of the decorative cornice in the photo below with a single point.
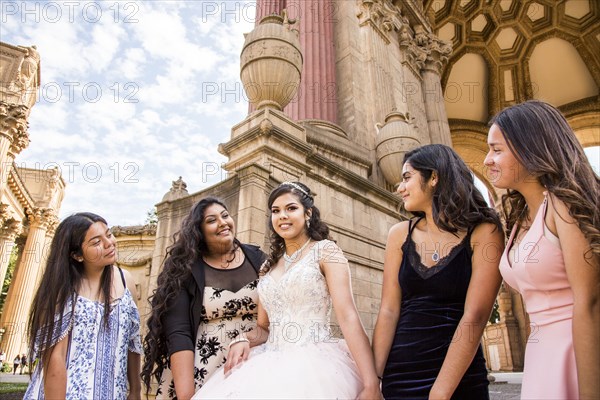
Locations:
(144, 230)
(17, 186)
(13, 125)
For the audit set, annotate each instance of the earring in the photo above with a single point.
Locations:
(307, 224)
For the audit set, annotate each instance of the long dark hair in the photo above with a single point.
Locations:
(457, 205)
(188, 247)
(317, 230)
(60, 283)
(541, 139)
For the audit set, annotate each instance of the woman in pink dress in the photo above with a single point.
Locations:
(552, 255)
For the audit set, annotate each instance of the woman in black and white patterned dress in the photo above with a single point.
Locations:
(205, 297)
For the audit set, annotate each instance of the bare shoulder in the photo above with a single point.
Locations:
(558, 211)
(399, 231)
(128, 278)
(486, 232)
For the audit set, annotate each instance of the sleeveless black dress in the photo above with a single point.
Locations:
(433, 301)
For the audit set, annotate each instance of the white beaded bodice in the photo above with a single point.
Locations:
(298, 304)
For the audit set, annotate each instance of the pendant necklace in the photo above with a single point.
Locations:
(436, 255)
(288, 260)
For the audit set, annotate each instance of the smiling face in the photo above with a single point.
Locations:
(288, 218)
(98, 247)
(415, 195)
(504, 169)
(218, 229)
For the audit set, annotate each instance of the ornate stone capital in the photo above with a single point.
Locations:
(439, 52)
(42, 217)
(10, 229)
(424, 50)
(13, 125)
(382, 15)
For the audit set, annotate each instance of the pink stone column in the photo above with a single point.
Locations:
(268, 7)
(317, 94)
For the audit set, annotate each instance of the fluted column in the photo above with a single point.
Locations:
(9, 230)
(13, 136)
(268, 7)
(317, 94)
(438, 52)
(14, 317)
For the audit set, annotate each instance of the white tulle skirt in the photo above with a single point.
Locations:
(312, 371)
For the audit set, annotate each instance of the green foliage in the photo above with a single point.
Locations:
(12, 263)
(12, 388)
(151, 217)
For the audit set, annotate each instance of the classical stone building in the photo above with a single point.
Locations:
(29, 198)
(378, 78)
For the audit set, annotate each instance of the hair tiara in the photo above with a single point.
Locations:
(295, 186)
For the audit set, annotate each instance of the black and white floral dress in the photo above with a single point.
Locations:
(225, 314)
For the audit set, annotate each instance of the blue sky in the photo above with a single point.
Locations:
(133, 95)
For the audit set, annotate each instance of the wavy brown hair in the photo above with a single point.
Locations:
(188, 247)
(318, 229)
(543, 142)
(457, 205)
(60, 283)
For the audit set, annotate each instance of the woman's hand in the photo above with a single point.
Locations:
(238, 353)
(370, 393)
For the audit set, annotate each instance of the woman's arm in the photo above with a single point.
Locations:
(239, 351)
(133, 376)
(180, 344)
(337, 274)
(133, 359)
(487, 242)
(391, 296)
(55, 371)
(584, 277)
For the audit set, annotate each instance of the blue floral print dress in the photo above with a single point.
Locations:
(96, 354)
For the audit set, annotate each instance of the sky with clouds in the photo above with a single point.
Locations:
(133, 95)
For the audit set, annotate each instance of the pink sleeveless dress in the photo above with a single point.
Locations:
(536, 268)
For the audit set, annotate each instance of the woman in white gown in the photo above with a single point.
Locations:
(294, 355)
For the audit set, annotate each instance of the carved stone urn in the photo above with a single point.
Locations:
(395, 138)
(271, 63)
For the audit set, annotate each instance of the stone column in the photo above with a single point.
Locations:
(438, 52)
(14, 317)
(317, 94)
(268, 7)
(13, 136)
(9, 230)
(251, 221)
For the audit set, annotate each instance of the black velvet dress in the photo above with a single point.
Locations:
(433, 301)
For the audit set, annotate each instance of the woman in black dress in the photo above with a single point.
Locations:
(440, 281)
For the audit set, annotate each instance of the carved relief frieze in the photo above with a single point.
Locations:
(13, 125)
(19, 74)
(382, 15)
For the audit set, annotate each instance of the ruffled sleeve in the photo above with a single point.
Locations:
(329, 252)
(135, 343)
(62, 327)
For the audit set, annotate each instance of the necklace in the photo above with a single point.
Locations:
(436, 255)
(220, 263)
(289, 260)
